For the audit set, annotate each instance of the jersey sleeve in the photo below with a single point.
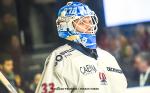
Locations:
(52, 80)
(117, 79)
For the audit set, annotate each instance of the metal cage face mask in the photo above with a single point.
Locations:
(86, 24)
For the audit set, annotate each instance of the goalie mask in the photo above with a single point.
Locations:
(78, 23)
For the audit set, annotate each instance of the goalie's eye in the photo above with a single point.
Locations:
(87, 20)
(81, 23)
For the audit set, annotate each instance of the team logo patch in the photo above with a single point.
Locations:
(103, 79)
(88, 69)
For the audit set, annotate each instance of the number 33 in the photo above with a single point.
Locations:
(45, 87)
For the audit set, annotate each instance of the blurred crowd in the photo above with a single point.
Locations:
(9, 35)
(131, 47)
(129, 44)
(6, 67)
(10, 50)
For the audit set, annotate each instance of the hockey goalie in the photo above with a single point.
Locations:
(80, 66)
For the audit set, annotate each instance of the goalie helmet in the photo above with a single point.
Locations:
(77, 11)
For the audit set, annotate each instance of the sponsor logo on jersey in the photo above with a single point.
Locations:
(114, 70)
(67, 53)
(88, 69)
(58, 59)
(103, 79)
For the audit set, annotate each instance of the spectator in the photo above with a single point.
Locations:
(142, 36)
(127, 65)
(148, 32)
(18, 82)
(7, 32)
(7, 69)
(34, 84)
(123, 41)
(103, 41)
(114, 48)
(7, 6)
(9, 41)
(142, 64)
(149, 45)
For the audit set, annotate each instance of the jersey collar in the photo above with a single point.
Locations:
(89, 52)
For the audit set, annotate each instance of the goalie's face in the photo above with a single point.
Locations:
(85, 25)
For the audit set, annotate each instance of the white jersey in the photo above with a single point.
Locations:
(67, 70)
